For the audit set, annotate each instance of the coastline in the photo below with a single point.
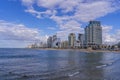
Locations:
(81, 50)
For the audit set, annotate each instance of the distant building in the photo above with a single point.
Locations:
(35, 45)
(54, 37)
(56, 42)
(71, 40)
(81, 39)
(49, 42)
(64, 44)
(77, 44)
(93, 33)
(118, 45)
(29, 46)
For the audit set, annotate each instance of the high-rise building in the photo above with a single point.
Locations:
(64, 44)
(49, 42)
(54, 37)
(71, 40)
(81, 39)
(56, 42)
(53, 42)
(93, 33)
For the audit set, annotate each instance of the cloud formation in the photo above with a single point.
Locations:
(18, 32)
(81, 10)
(70, 14)
(110, 36)
(69, 27)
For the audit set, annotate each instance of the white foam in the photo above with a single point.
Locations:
(70, 75)
(104, 65)
(101, 66)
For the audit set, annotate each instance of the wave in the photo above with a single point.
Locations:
(73, 74)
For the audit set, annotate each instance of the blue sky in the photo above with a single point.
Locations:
(23, 22)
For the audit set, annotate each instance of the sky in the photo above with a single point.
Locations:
(23, 22)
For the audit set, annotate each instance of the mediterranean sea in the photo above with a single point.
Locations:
(35, 64)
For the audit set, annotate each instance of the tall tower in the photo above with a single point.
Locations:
(81, 38)
(93, 33)
(49, 42)
(71, 40)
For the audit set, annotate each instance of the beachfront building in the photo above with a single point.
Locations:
(56, 42)
(118, 44)
(71, 40)
(93, 33)
(77, 44)
(64, 44)
(53, 42)
(49, 42)
(81, 39)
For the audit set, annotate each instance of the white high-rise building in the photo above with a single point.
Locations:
(71, 40)
(93, 33)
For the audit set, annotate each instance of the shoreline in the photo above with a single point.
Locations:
(81, 50)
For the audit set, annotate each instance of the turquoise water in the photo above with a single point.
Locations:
(32, 64)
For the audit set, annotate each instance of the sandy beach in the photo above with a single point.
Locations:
(81, 50)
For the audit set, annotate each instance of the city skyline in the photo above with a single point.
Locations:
(23, 22)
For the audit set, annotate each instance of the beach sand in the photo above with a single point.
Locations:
(81, 50)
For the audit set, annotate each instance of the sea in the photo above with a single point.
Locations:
(37, 64)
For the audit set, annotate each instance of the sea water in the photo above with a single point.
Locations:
(35, 64)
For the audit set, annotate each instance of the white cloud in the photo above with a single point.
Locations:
(71, 26)
(34, 12)
(117, 35)
(108, 35)
(41, 14)
(106, 28)
(69, 5)
(82, 10)
(60, 19)
(49, 3)
(28, 3)
(91, 11)
(18, 32)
